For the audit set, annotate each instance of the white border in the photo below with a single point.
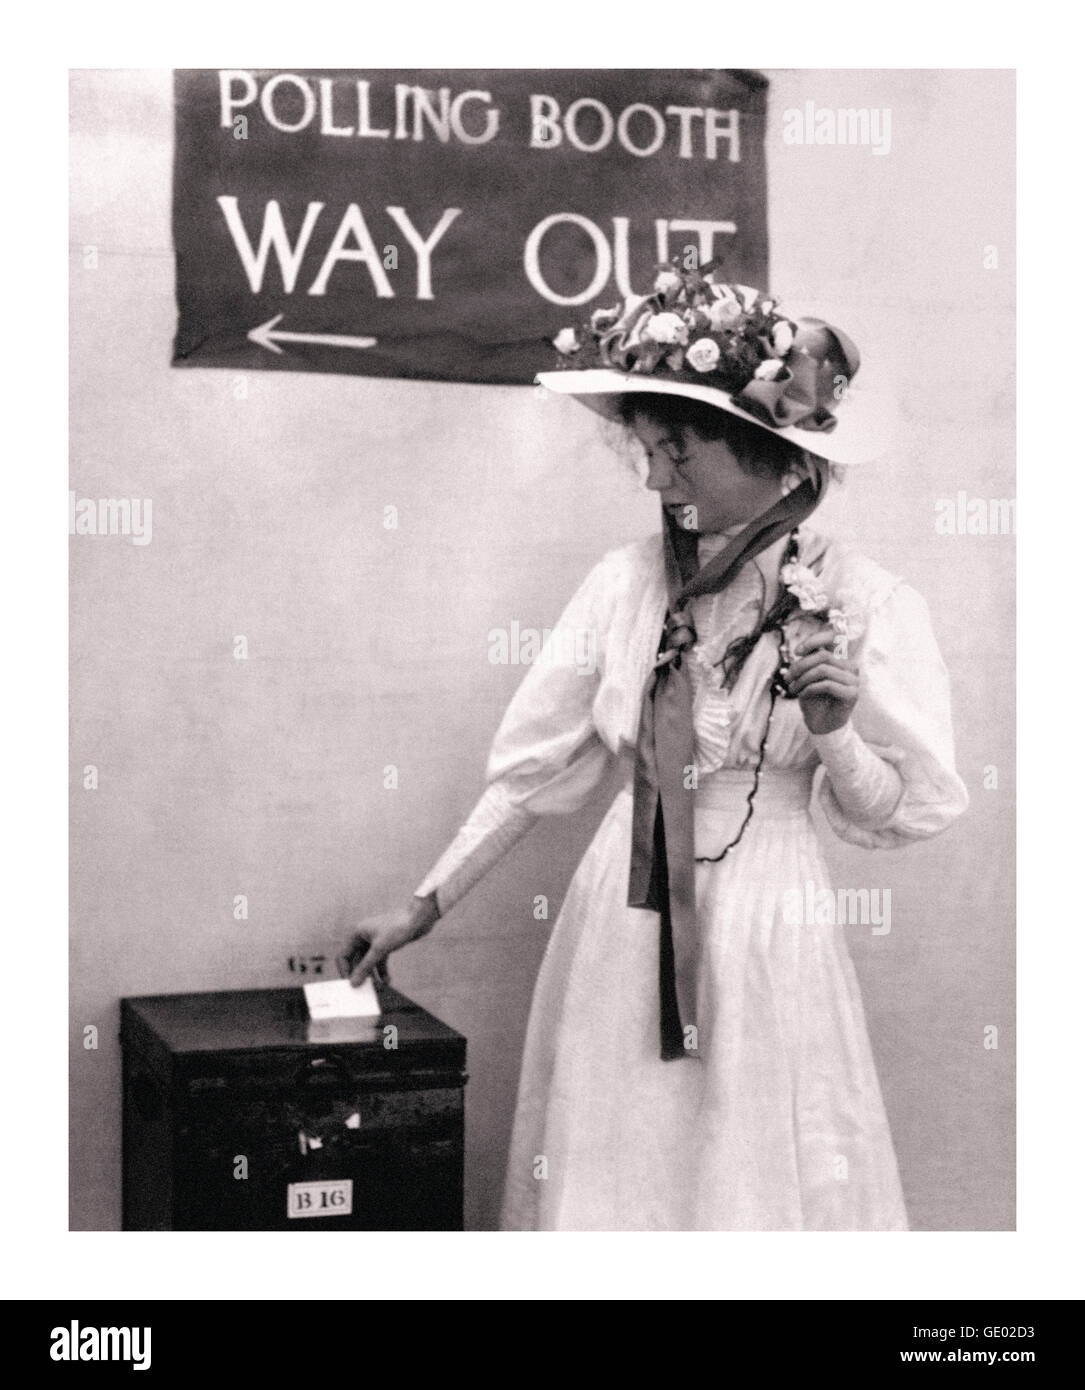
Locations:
(1042, 1259)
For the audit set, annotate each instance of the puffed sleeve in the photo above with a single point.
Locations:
(903, 716)
(546, 757)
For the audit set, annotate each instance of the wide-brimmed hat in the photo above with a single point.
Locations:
(729, 346)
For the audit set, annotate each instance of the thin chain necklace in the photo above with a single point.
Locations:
(772, 622)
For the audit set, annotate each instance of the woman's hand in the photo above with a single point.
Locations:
(825, 685)
(388, 931)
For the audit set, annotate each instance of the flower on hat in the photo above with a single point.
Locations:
(724, 311)
(735, 326)
(742, 345)
(703, 355)
(602, 319)
(666, 328)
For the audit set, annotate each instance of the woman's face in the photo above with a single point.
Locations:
(700, 481)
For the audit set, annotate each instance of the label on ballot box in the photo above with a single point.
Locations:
(332, 1198)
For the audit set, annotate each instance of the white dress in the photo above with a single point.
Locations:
(778, 1124)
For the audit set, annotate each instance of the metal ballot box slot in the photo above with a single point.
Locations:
(240, 1113)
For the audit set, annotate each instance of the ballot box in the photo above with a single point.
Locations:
(243, 1114)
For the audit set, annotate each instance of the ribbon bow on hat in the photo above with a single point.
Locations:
(805, 386)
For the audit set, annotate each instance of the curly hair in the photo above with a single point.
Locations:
(759, 451)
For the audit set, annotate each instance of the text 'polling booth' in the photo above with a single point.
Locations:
(436, 225)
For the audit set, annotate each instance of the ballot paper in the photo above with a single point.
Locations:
(340, 999)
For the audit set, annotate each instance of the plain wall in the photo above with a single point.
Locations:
(368, 646)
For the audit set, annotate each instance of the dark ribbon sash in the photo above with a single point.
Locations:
(662, 869)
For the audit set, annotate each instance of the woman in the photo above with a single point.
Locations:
(696, 1056)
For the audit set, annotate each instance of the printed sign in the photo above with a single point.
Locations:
(444, 225)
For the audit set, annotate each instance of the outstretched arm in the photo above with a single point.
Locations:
(546, 759)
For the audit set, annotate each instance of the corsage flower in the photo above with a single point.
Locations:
(801, 581)
(845, 623)
(843, 616)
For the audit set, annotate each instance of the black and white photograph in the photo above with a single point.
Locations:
(542, 672)
(543, 667)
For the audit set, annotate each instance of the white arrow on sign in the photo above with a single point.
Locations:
(268, 337)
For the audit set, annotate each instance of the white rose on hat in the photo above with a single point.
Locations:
(704, 355)
(666, 328)
(724, 309)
